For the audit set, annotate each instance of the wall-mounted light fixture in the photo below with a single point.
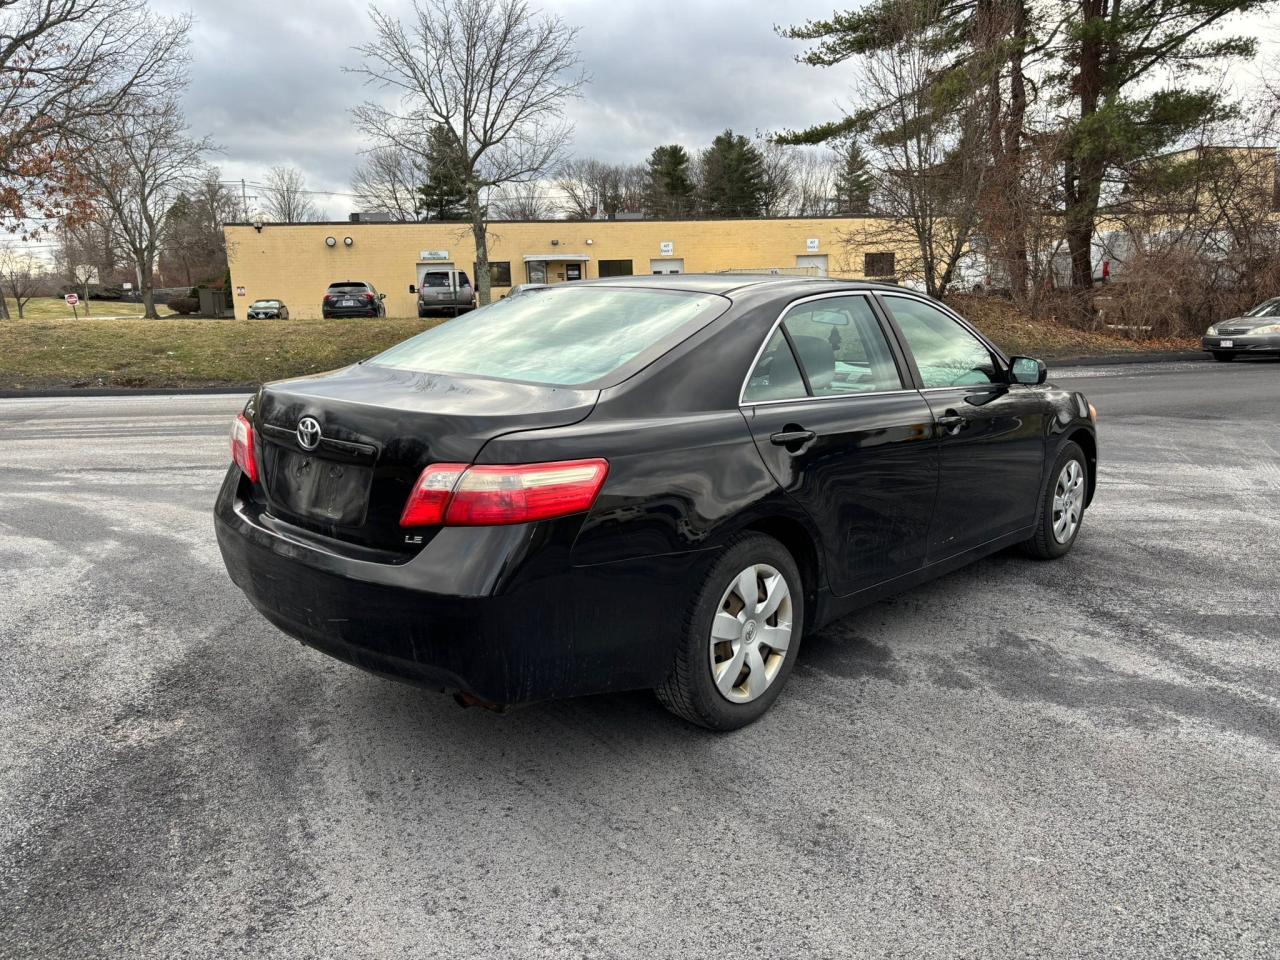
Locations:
(330, 241)
(257, 225)
(555, 243)
(589, 242)
(347, 241)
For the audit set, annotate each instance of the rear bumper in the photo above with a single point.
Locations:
(1268, 344)
(499, 613)
(334, 314)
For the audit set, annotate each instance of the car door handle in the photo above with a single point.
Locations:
(951, 423)
(792, 438)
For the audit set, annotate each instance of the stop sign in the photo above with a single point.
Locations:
(71, 299)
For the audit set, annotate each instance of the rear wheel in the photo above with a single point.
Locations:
(741, 634)
(1061, 506)
(1222, 356)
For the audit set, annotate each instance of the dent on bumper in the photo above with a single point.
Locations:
(567, 632)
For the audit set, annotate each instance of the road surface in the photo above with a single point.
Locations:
(1073, 759)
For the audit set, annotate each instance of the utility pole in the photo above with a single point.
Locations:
(244, 200)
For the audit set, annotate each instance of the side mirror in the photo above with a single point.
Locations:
(412, 288)
(1027, 370)
(382, 296)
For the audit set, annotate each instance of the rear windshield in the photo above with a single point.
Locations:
(435, 280)
(567, 336)
(349, 288)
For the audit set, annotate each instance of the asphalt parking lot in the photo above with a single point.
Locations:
(1075, 759)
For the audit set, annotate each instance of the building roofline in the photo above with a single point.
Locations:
(465, 224)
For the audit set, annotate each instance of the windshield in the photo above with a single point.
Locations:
(567, 336)
(1269, 309)
(266, 303)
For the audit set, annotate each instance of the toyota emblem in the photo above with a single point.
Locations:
(308, 433)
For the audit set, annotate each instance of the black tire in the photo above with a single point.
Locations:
(1043, 545)
(1222, 356)
(689, 690)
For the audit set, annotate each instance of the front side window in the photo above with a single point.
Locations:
(566, 336)
(842, 347)
(946, 354)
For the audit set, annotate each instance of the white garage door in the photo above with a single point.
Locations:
(666, 265)
(818, 260)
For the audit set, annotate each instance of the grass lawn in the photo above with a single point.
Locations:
(55, 308)
(185, 352)
(56, 351)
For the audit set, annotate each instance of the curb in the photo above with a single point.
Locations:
(1120, 359)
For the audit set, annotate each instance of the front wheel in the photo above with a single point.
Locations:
(741, 634)
(1061, 506)
(1222, 356)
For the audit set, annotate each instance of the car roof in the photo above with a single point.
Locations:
(728, 283)
(350, 283)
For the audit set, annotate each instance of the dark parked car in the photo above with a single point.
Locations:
(268, 310)
(643, 483)
(1256, 333)
(352, 298)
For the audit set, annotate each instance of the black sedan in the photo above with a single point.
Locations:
(643, 482)
(268, 310)
(1257, 333)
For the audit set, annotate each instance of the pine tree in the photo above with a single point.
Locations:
(853, 180)
(669, 191)
(733, 177)
(443, 195)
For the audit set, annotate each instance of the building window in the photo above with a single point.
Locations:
(499, 273)
(615, 268)
(877, 265)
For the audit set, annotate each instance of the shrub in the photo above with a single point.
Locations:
(184, 305)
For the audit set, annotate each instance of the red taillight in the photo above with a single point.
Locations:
(455, 495)
(369, 297)
(431, 494)
(242, 447)
(328, 297)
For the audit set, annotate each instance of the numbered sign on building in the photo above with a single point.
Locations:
(667, 248)
(811, 244)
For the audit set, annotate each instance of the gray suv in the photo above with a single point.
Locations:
(445, 290)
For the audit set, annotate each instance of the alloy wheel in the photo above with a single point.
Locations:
(751, 633)
(1068, 501)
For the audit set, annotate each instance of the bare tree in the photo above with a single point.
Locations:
(388, 179)
(67, 67)
(140, 165)
(814, 178)
(928, 158)
(779, 194)
(285, 198)
(21, 278)
(592, 188)
(489, 72)
(520, 201)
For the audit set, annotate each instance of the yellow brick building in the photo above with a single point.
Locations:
(296, 262)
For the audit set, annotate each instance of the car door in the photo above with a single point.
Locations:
(991, 433)
(832, 413)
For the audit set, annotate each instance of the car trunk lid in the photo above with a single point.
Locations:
(341, 451)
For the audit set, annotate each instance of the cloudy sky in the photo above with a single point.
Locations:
(267, 81)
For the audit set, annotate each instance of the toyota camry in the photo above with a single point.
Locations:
(643, 483)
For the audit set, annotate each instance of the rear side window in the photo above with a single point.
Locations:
(566, 336)
(946, 353)
(776, 376)
(842, 347)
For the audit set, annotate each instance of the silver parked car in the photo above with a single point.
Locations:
(446, 291)
(1256, 333)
